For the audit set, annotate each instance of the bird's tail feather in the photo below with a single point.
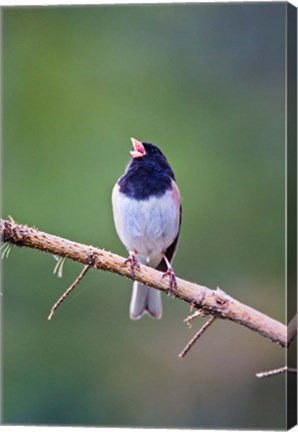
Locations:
(145, 299)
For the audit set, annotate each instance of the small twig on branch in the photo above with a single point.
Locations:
(213, 302)
(273, 372)
(191, 343)
(68, 291)
(198, 313)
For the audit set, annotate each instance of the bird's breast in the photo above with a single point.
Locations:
(148, 226)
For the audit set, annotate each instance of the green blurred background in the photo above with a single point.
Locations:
(205, 82)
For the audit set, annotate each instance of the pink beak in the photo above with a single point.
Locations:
(139, 150)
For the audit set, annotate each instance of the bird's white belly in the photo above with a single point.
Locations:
(148, 227)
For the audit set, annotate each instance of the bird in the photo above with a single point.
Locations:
(147, 213)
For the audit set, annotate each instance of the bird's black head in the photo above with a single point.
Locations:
(148, 172)
(151, 150)
(148, 155)
(143, 150)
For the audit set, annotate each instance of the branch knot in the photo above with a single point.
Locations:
(11, 233)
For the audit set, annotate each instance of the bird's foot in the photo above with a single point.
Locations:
(171, 274)
(133, 263)
(173, 281)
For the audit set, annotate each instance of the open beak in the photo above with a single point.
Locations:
(139, 150)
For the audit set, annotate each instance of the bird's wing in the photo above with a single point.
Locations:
(171, 249)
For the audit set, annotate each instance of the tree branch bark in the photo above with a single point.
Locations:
(211, 302)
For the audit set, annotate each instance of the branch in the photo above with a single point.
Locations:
(68, 291)
(210, 302)
(274, 372)
(191, 343)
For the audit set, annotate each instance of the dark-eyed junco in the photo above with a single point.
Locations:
(147, 216)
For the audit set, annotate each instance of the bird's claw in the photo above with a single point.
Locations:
(133, 264)
(173, 281)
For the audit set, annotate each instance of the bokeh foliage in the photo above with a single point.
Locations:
(205, 82)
